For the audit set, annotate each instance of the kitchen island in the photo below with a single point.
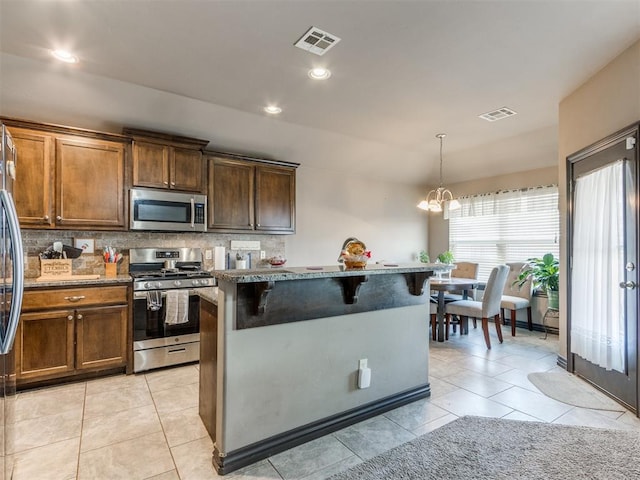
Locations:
(281, 350)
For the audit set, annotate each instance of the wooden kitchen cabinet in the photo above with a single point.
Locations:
(68, 332)
(275, 199)
(167, 161)
(34, 170)
(68, 178)
(89, 184)
(208, 365)
(45, 344)
(101, 337)
(247, 195)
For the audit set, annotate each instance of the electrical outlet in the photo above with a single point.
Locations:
(263, 254)
(362, 364)
(208, 254)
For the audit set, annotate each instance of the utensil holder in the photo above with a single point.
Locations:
(111, 269)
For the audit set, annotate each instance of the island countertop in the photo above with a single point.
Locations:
(310, 272)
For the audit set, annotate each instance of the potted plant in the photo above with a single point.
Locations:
(423, 257)
(446, 257)
(545, 273)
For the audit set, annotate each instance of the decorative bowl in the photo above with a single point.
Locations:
(277, 261)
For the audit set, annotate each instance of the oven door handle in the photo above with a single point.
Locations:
(143, 294)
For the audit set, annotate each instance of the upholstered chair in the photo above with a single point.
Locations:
(462, 270)
(488, 308)
(515, 297)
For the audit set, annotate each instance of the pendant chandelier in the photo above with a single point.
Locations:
(437, 198)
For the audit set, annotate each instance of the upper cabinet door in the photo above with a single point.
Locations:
(275, 199)
(164, 160)
(33, 190)
(150, 165)
(231, 194)
(187, 170)
(89, 183)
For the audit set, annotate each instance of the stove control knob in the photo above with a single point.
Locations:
(177, 283)
(148, 285)
(196, 282)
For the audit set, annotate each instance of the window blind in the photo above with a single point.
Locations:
(505, 227)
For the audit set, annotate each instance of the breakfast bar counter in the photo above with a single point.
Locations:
(282, 349)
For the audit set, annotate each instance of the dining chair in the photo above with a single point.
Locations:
(489, 307)
(515, 297)
(462, 270)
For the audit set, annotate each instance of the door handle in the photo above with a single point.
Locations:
(193, 213)
(630, 284)
(17, 260)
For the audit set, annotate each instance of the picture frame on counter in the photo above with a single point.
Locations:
(87, 245)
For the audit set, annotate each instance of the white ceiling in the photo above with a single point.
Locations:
(404, 70)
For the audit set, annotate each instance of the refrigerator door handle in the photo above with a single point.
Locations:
(18, 270)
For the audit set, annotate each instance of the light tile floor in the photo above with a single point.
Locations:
(147, 426)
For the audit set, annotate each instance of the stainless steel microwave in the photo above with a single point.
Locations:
(157, 210)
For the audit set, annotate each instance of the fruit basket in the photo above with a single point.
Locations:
(355, 255)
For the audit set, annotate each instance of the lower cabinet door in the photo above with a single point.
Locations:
(44, 344)
(101, 336)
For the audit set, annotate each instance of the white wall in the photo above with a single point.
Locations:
(342, 190)
(331, 208)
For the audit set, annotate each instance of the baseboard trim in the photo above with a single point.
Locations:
(561, 362)
(278, 443)
(535, 327)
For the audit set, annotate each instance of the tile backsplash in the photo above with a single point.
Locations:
(35, 241)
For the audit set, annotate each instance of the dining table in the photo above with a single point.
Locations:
(443, 285)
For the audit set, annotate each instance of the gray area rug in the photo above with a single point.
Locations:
(572, 390)
(490, 448)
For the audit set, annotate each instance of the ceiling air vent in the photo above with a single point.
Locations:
(498, 114)
(317, 41)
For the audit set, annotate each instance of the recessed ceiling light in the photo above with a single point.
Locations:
(272, 109)
(319, 73)
(64, 56)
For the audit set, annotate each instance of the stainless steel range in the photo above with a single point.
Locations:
(166, 305)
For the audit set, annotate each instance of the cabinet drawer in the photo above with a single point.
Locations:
(73, 297)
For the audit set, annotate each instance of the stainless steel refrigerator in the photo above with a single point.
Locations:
(11, 291)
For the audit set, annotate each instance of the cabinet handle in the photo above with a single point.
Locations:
(70, 317)
(79, 316)
(58, 218)
(173, 184)
(46, 218)
(75, 298)
(258, 225)
(166, 183)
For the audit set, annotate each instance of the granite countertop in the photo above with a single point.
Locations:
(302, 273)
(209, 293)
(102, 281)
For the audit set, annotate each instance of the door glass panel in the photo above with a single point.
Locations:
(598, 327)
